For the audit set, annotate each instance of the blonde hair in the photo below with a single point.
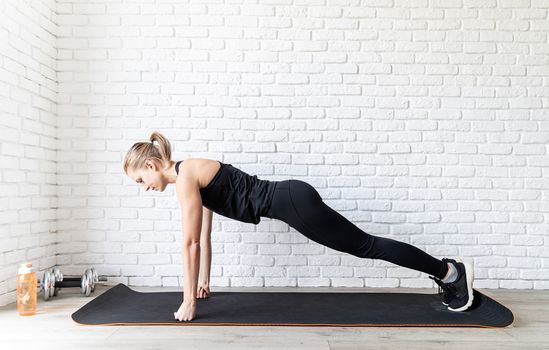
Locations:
(143, 151)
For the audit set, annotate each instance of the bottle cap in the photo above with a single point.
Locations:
(25, 268)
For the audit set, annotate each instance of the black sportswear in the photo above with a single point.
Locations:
(298, 204)
(236, 194)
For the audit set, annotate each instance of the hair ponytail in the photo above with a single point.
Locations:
(164, 146)
(143, 151)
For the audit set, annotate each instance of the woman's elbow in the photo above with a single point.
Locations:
(191, 243)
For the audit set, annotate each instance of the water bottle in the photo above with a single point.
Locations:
(26, 290)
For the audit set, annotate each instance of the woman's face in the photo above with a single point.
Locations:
(149, 176)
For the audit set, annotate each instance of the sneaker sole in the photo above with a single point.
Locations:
(469, 274)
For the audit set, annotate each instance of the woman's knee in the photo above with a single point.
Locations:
(365, 248)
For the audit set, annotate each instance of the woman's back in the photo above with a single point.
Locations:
(236, 194)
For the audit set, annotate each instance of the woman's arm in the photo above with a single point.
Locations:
(188, 193)
(205, 248)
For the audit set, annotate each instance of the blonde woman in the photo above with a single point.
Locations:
(204, 186)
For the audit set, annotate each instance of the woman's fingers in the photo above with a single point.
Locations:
(186, 312)
(202, 293)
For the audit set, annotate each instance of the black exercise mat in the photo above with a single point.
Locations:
(121, 305)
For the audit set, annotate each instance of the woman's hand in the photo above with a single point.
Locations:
(187, 311)
(203, 291)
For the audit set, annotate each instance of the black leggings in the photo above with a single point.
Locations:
(299, 205)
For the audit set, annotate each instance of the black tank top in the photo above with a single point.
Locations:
(237, 195)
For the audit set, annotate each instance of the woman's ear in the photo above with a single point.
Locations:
(150, 164)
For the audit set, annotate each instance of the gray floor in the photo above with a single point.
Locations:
(53, 328)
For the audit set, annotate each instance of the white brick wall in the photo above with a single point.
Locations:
(422, 121)
(28, 141)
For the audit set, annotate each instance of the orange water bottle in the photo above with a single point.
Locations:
(26, 290)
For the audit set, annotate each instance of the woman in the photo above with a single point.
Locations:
(204, 186)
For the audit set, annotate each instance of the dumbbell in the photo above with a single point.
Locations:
(94, 278)
(53, 280)
(85, 282)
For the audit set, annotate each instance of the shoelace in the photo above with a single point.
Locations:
(443, 287)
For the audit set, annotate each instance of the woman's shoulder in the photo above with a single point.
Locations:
(202, 170)
(198, 163)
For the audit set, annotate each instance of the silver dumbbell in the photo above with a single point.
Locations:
(53, 280)
(92, 276)
(47, 285)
